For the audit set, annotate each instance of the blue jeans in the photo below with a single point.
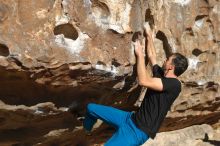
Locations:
(127, 134)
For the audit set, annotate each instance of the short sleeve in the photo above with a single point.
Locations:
(157, 71)
(171, 84)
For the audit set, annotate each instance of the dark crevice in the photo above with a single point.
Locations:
(208, 106)
(173, 123)
(149, 18)
(115, 32)
(206, 1)
(31, 127)
(4, 51)
(212, 86)
(213, 142)
(191, 84)
(136, 36)
(195, 93)
(196, 52)
(190, 31)
(101, 63)
(67, 30)
(78, 63)
(166, 46)
(199, 17)
(209, 21)
(213, 53)
(17, 62)
(115, 62)
(62, 4)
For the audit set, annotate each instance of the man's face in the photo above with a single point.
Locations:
(167, 65)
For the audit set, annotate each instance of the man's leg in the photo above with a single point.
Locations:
(108, 114)
(128, 135)
(124, 136)
(118, 139)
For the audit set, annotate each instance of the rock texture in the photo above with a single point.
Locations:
(202, 135)
(61, 53)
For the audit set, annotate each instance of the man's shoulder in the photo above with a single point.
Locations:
(171, 84)
(173, 80)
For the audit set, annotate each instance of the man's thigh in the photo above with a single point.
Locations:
(123, 137)
(108, 114)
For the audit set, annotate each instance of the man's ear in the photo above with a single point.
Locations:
(171, 67)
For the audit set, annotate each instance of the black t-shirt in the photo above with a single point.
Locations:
(156, 104)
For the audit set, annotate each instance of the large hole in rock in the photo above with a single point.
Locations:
(67, 30)
(100, 7)
(4, 51)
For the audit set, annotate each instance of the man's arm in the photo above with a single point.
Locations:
(150, 49)
(143, 76)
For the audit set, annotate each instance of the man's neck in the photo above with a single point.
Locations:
(170, 75)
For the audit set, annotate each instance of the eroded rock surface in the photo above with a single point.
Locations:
(195, 136)
(72, 52)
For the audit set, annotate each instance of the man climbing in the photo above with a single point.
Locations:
(134, 129)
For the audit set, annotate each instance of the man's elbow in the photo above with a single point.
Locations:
(142, 83)
(154, 84)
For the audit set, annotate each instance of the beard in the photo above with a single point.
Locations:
(164, 67)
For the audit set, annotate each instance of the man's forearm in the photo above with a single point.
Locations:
(143, 75)
(150, 49)
(151, 46)
(151, 53)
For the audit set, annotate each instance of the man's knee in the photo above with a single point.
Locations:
(91, 107)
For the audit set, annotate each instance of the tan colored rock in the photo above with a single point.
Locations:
(187, 136)
(55, 133)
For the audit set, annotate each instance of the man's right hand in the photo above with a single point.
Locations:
(139, 49)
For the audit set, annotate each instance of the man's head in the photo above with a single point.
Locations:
(176, 63)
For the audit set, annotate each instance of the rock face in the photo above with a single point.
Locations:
(71, 52)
